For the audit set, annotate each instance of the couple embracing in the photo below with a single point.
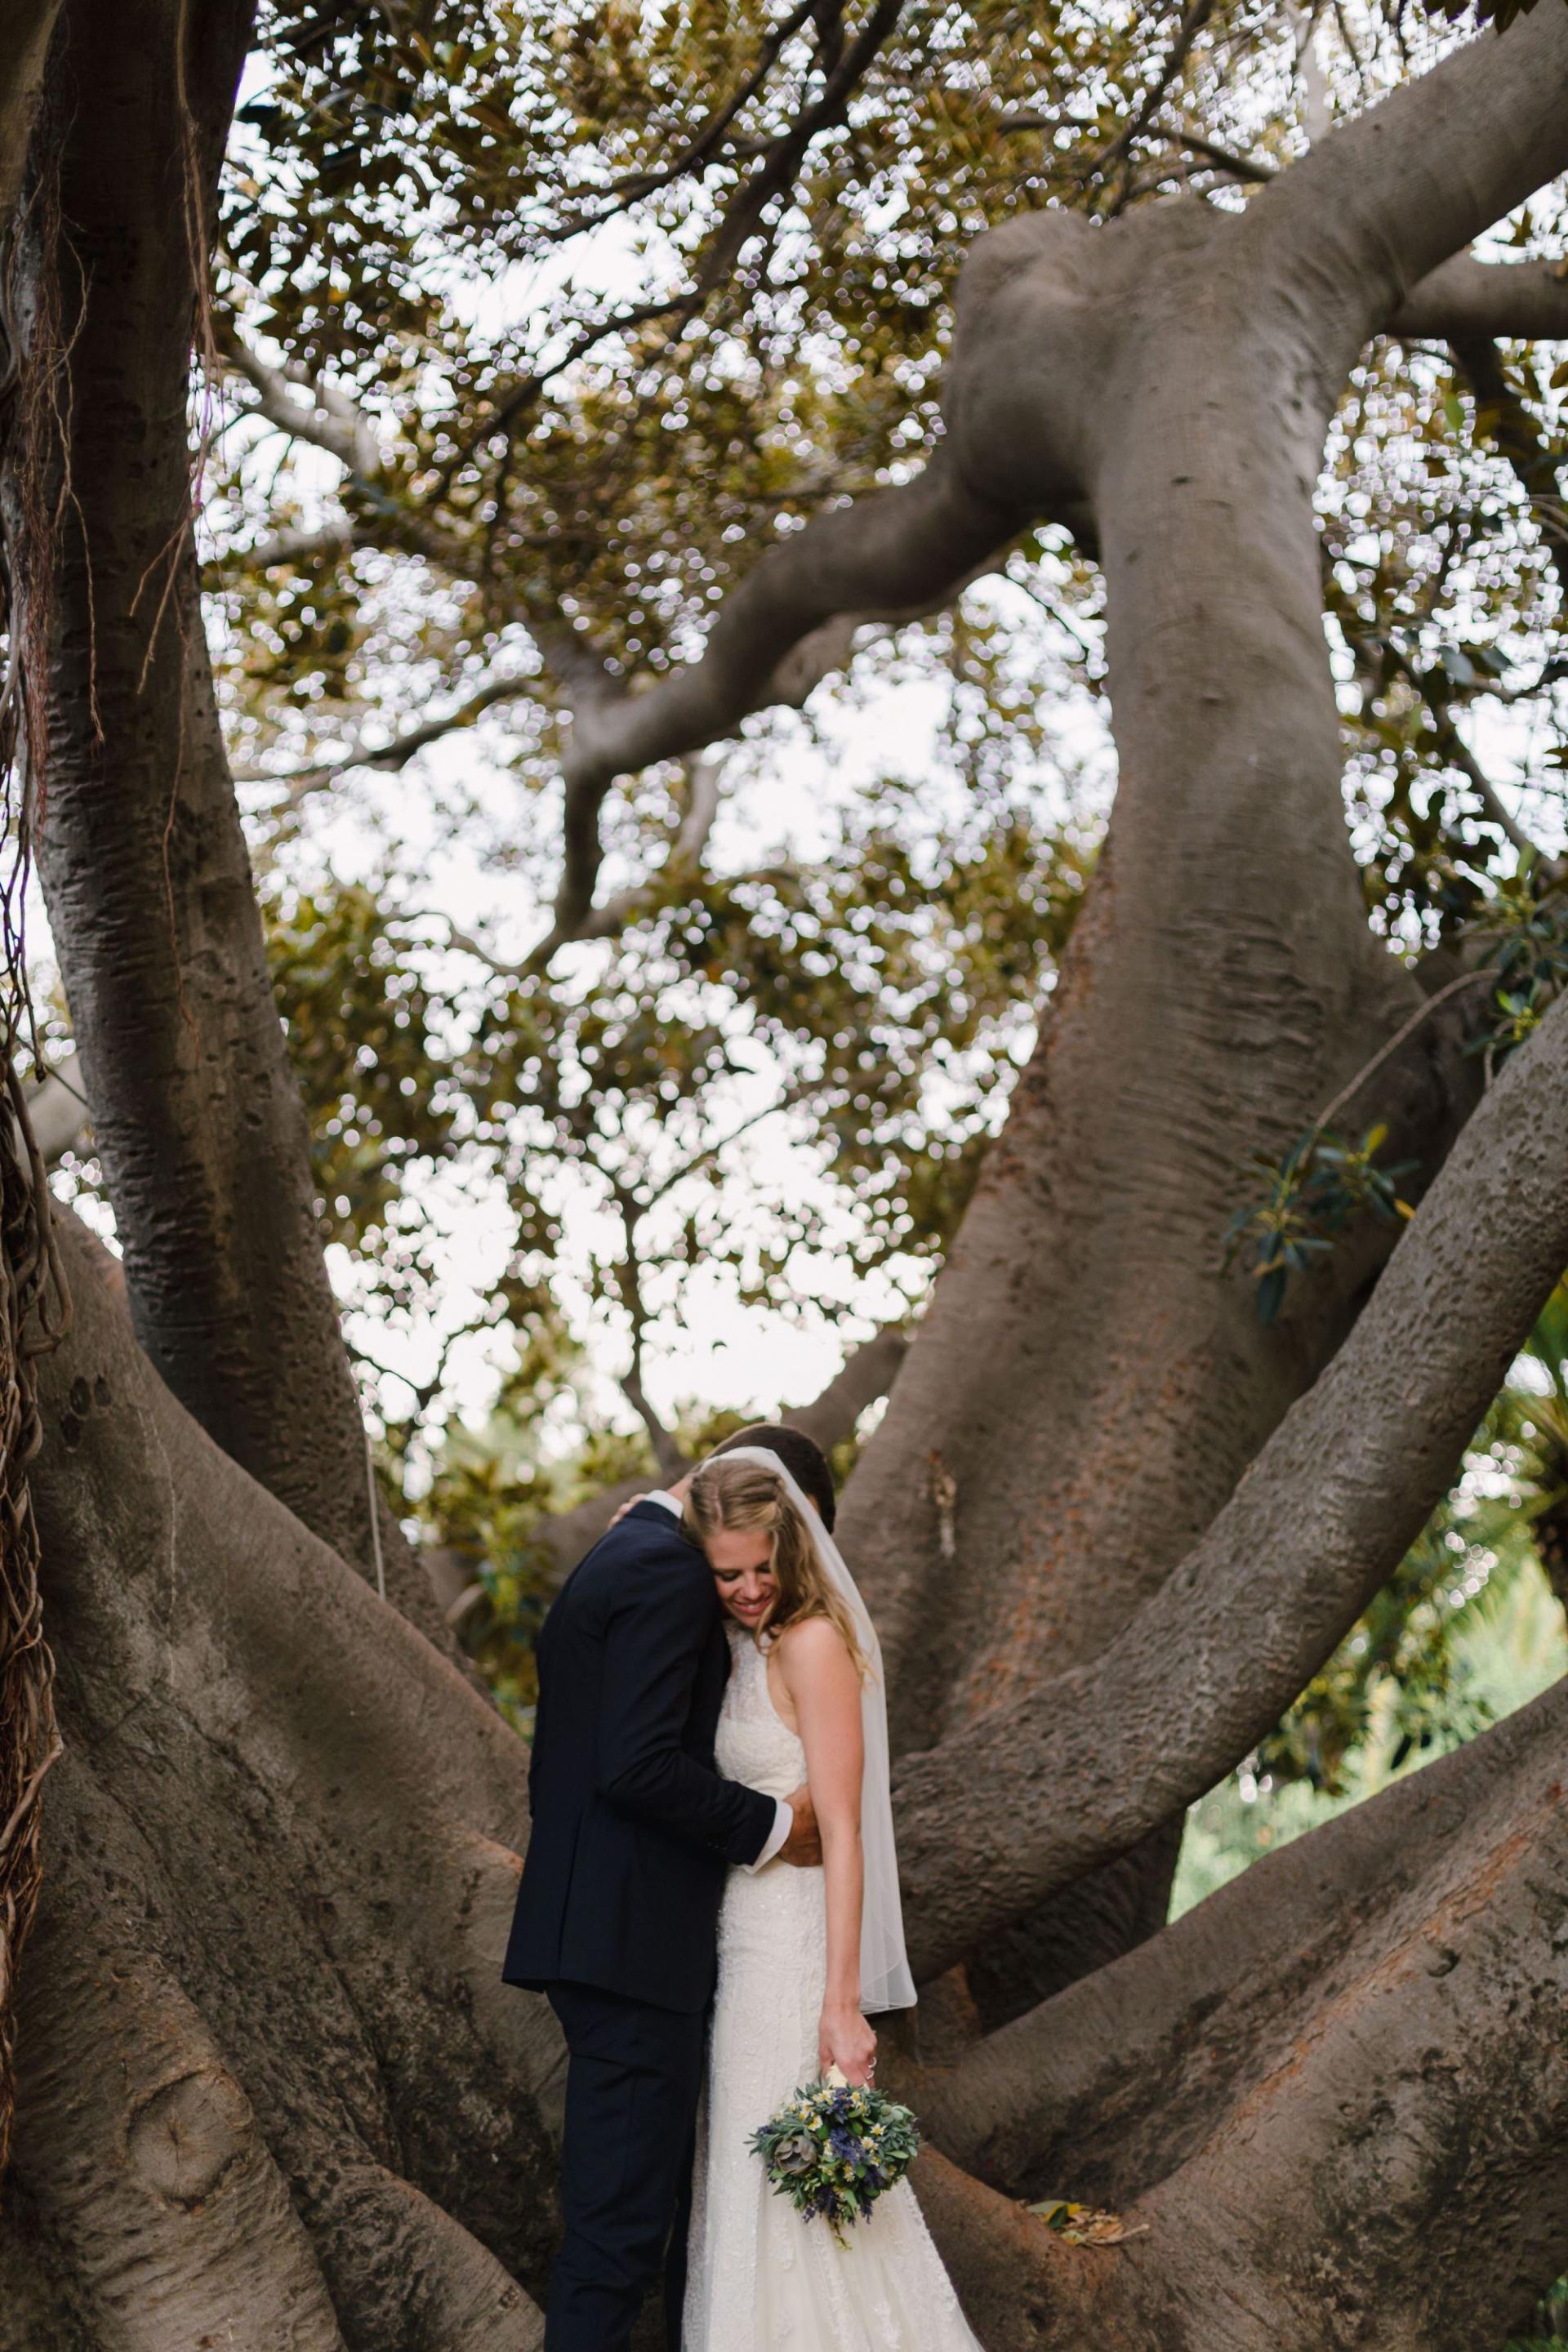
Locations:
(710, 1902)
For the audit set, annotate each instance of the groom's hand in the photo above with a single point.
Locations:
(803, 1844)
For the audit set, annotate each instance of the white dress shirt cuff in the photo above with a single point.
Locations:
(658, 1496)
(784, 1821)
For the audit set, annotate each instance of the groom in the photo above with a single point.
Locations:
(616, 1916)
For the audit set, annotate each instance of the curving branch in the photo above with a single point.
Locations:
(1101, 1756)
(1125, 2074)
(294, 784)
(897, 557)
(1463, 299)
(326, 416)
(1389, 200)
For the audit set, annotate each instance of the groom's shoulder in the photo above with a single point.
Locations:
(650, 1543)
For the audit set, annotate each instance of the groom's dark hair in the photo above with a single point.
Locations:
(802, 1457)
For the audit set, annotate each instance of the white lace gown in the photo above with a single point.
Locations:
(760, 2278)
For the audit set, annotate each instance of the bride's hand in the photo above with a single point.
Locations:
(845, 2040)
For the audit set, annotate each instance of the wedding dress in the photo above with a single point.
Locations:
(760, 2278)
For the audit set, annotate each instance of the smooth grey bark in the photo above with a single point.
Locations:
(1120, 2080)
(327, 2122)
(152, 901)
(1310, 2171)
(1465, 297)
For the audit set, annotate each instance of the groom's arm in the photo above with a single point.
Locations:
(653, 1647)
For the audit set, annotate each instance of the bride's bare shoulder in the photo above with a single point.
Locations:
(814, 1647)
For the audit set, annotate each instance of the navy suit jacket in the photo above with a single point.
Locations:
(633, 1827)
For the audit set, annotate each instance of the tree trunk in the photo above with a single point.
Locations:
(1089, 1382)
(152, 901)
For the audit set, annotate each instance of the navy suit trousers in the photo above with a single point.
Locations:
(632, 2089)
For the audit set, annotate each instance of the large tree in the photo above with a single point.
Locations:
(271, 2092)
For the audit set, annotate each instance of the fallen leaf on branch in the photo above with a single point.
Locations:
(1084, 2225)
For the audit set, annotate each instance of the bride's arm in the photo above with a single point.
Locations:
(823, 1687)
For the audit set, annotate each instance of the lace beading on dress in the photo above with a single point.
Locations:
(760, 2278)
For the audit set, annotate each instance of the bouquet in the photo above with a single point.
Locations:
(832, 2150)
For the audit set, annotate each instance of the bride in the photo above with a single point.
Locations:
(803, 1953)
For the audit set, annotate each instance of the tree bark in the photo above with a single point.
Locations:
(152, 901)
(1303, 2095)
(282, 1856)
(1314, 1528)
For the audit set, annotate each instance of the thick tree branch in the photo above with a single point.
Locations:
(892, 558)
(197, 1113)
(1381, 205)
(1119, 2078)
(219, 1652)
(1101, 1756)
(1465, 300)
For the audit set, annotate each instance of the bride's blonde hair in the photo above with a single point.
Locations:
(729, 1493)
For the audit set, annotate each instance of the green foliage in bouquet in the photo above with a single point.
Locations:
(833, 2149)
